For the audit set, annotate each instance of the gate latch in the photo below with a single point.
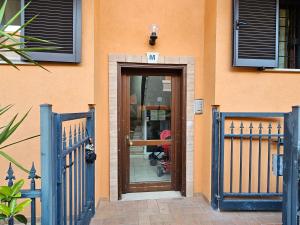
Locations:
(90, 156)
(277, 165)
(218, 197)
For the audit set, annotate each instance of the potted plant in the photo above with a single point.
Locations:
(9, 206)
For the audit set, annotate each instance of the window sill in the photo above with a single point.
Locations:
(16, 62)
(280, 70)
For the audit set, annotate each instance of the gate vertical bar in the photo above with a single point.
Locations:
(32, 177)
(58, 141)
(221, 159)
(250, 158)
(90, 168)
(231, 155)
(269, 156)
(290, 167)
(48, 165)
(241, 158)
(215, 159)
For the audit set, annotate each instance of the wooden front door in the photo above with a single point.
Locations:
(151, 149)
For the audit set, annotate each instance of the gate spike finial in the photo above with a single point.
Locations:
(10, 176)
(70, 137)
(75, 135)
(79, 133)
(242, 127)
(232, 127)
(278, 126)
(270, 126)
(64, 134)
(32, 172)
(251, 126)
(64, 139)
(82, 131)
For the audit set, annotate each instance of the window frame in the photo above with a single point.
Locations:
(10, 29)
(257, 63)
(75, 57)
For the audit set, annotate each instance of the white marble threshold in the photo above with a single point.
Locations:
(151, 195)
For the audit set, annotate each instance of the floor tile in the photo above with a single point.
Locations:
(177, 211)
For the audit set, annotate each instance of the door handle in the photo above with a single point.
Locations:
(129, 141)
(240, 23)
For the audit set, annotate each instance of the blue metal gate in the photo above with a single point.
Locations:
(244, 147)
(68, 184)
(291, 175)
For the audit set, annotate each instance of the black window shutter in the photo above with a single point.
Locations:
(58, 21)
(256, 33)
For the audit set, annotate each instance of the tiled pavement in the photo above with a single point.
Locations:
(182, 211)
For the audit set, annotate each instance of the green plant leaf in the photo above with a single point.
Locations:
(5, 109)
(13, 161)
(4, 133)
(2, 217)
(17, 142)
(12, 206)
(24, 55)
(7, 35)
(36, 49)
(18, 195)
(28, 38)
(15, 16)
(13, 129)
(2, 10)
(17, 187)
(21, 218)
(8, 131)
(9, 62)
(15, 33)
(2, 196)
(11, 45)
(5, 210)
(6, 191)
(20, 207)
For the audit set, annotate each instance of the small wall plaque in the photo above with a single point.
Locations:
(152, 57)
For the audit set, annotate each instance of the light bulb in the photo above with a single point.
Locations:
(154, 28)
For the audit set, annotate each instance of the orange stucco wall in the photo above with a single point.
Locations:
(197, 28)
(123, 27)
(68, 87)
(249, 89)
(237, 89)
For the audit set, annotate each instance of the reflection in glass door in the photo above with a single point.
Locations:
(150, 138)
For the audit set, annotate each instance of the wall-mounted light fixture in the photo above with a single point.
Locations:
(153, 35)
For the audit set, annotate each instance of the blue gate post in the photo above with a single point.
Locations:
(215, 158)
(290, 167)
(90, 170)
(48, 160)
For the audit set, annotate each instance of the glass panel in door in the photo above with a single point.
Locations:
(150, 139)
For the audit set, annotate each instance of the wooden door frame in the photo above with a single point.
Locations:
(181, 70)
